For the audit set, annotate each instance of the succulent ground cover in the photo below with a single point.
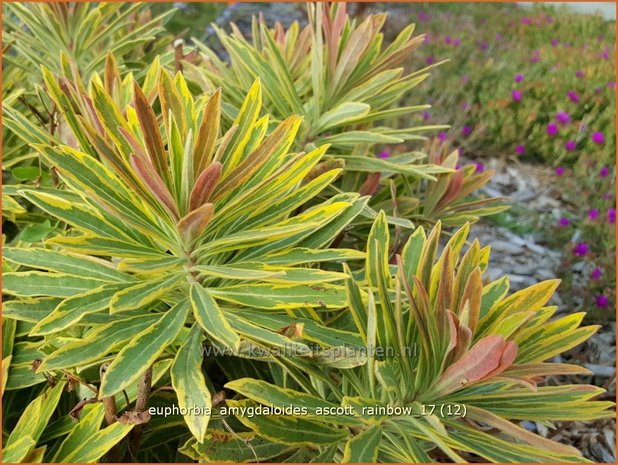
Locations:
(258, 252)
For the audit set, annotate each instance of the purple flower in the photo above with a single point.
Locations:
(480, 167)
(447, 40)
(605, 55)
(611, 215)
(426, 115)
(598, 138)
(559, 171)
(520, 149)
(573, 97)
(519, 77)
(457, 42)
(596, 274)
(516, 95)
(564, 222)
(384, 154)
(570, 145)
(593, 214)
(442, 136)
(611, 84)
(429, 60)
(498, 36)
(466, 130)
(483, 45)
(601, 301)
(552, 129)
(579, 73)
(526, 20)
(604, 172)
(563, 117)
(554, 42)
(608, 196)
(580, 249)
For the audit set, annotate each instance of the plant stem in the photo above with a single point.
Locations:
(144, 389)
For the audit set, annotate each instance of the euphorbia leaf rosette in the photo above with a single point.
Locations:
(447, 356)
(176, 225)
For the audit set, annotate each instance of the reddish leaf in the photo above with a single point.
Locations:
(205, 185)
(208, 132)
(155, 183)
(192, 225)
(488, 357)
(150, 129)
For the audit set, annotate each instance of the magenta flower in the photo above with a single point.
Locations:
(519, 77)
(573, 97)
(596, 274)
(526, 20)
(580, 249)
(426, 115)
(554, 42)
(384, 154)
(611, 215)
(516, 95)
(563, 117)
(429, 60)
(598, 138)
(564, 222)
(466, 130)
(447, 40)
(442, 136)
(605, 55)
(593, 214)
(480, 167)
(570, 145)
(611, 84)
(579, 73)
(552, 129)
(559, 171)
(604, 172)
(520, 149)
(457, 42)
(483, 45)
(601, 301)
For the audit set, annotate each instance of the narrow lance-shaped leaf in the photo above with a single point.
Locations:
(143, 350)
(190, 386)
(210, 317)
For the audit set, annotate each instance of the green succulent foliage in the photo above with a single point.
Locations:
(453, 354)
(176, 227)
(39, 34)
(68, 38)
(348, 87)
(335, 72)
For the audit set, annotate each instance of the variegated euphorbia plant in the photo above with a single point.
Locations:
(463, 362)
(337, 74)
(173, 233)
